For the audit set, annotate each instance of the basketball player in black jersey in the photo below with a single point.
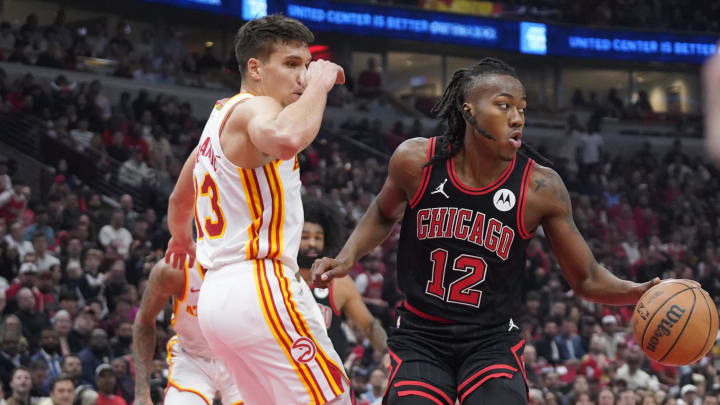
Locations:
(469, 202)
(321, 236)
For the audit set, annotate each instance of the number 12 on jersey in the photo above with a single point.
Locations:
(212, 228)
(461, 291)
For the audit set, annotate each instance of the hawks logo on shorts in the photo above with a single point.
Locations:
(303, 350)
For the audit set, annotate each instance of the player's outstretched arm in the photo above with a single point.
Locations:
(404, 173)
(180, 216)
(355, 309)
(283, 132)
(711, 79)
(164, 282)
(586, 277)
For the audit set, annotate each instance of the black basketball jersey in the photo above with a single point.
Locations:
(333, 318)
(462, 250)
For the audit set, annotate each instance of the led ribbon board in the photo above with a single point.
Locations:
(405, 23)
(246, 9)
(580, 42)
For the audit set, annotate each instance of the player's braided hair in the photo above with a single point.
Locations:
(450, 109)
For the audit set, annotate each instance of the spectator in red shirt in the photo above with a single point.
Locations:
(26, 278)
(106, 382)
(667, 375)
(593, 364)
(13, 201)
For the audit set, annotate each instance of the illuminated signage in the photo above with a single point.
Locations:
(422, 25)
(533, 38)
(630, 45)
(247, 9)
(405, 23)
(253, 9)
(209, 5)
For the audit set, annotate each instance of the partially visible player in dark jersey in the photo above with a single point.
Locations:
(469, 201)
(322, 236)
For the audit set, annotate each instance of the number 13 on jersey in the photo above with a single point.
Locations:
(212, 227)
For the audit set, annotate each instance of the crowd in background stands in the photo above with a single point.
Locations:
(157, 56)
(72, 268)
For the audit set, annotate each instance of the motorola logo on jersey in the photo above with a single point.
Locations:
(464, 224)
(303, 350)
(504, 200)
(321, 292)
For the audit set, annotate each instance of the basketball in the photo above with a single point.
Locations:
(675, 322)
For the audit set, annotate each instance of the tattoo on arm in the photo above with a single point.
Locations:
(539, 183)
(377, 336)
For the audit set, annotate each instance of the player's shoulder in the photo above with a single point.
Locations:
(410, 156)
(546, 185)
(257, 104)
(544, 173)
(413, 148)
(244, 111)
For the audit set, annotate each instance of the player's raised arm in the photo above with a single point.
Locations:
(164, 282)
(284, 132)
(404, 175)
(586, 277)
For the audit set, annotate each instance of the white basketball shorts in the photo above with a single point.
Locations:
(194, 380)
(266, 327)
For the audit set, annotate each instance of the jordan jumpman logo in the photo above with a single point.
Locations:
(512, 325)
(440, 189)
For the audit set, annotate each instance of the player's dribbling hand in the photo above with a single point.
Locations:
(326, 269)
(325, 74)
(711, 78)
(642, 288)
(178, 250)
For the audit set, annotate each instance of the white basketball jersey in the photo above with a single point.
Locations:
(244, 214)
(185, 315)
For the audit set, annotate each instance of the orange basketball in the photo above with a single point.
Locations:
(675, 322)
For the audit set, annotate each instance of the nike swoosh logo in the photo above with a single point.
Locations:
(194, 290)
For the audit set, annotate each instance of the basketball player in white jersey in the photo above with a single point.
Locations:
(195, 374)
(258, 316)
